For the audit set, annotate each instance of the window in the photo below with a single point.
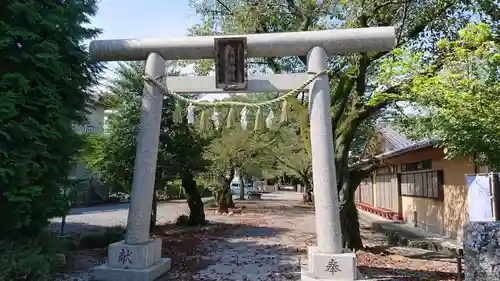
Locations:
(417, 166)
(386, 170)
(423, 184)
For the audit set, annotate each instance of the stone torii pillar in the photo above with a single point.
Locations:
(138, 258)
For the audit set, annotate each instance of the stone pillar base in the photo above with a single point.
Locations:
(107, 273)
(141, 262)
(482, 251)
(327, 267)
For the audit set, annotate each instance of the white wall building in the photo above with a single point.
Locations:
(106, 115)
(95, 124)
(95, 121)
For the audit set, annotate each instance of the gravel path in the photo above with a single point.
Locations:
(268, 241)
(272, 245)
(95, 218)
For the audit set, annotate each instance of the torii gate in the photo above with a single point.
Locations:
(138, 258)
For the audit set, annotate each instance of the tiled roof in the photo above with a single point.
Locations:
(413, 146)
(397, 140)
(400, 143)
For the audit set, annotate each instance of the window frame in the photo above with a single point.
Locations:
(416, 166)
(429, 185)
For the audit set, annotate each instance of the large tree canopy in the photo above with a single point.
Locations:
(235, 150)
(180, 147)
(363, 86)
(460, 107)
(45, 78)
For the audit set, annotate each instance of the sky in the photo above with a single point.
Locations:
(136, 19)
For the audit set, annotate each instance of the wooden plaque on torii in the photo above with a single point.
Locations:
(231, 63)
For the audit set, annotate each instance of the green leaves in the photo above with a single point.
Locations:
(113, 155)
(460, 105)
(44, 81)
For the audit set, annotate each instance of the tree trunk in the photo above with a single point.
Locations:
(224, 195)
(215, 194)
(224, 199)
(229, 199)
(196, 210)
(242, 185)
(349, 221)
(307, 197)
(154, 212)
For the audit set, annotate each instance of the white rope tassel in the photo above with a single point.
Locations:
(215, 118)
(190, 113)
(270, 119)
(243, 118)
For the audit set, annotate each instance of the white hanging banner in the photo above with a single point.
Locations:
(479, 197)
(190, 113)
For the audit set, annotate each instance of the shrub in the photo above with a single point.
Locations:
(113, 200)
(119, 197)
(34, 259)
(102, 239)
(45, 75)
(174, 189)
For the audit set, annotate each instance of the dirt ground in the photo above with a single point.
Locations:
(268, 241)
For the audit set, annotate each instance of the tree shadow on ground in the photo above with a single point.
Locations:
(187, 246)
(285, 208)
(238, 252)
(399, 274)
(373, 237)
(234, 230)
(405, 245)
(394, 238)
(415, 254)
(431, 256)
(79, 229)
(229, 251)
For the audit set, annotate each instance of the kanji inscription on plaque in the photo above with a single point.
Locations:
(230, 63)
(125, 256)
(332, 266)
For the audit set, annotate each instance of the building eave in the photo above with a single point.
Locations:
(386, 155)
